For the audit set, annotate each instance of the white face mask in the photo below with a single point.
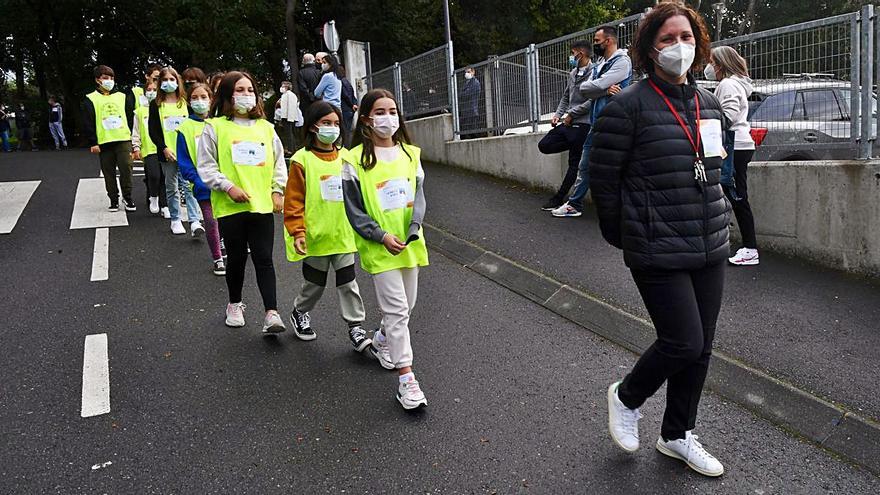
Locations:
(151, 95)
(325, 67)
(709, 72)
(282, 90)
(108, 84)
(244, 103)
(385, 125)
(468, 75)
(200, 107)
(676, 59)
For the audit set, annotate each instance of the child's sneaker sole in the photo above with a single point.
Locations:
(387, 366)
(233, 324)
(410, 407)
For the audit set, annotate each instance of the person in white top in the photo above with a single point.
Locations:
(290, 115)
(734, 88)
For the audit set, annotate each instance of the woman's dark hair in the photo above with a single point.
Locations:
(650, 25)
(194, 74)
(363, 134)
(215, 80)
(223, 104)
(334, 66)
(314, 114)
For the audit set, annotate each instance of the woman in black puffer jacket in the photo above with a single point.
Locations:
(655, 182)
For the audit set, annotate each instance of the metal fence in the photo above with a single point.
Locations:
(813, 83)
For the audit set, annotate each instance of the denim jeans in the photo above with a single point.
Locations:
(4, 136)
(582, 184)
(173, 196)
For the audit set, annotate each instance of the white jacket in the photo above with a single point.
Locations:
(733, 93)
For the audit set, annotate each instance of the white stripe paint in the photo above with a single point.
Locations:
(96, 377)
(14, 196)
(101, 255)
(90, 208)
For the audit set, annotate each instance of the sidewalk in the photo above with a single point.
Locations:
(807, 326)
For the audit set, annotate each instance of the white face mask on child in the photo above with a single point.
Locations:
(385, 125)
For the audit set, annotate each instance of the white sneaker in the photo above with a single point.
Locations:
(409, 394)
(235, 315)
(273, 323)
(689, 450)
(623, 422)
(566, 210)
(177, 227)
(196, 229)
(745, 257)
(154, 204)
(166, 213)
(379, 349)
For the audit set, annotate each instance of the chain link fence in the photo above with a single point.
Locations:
(419, 83)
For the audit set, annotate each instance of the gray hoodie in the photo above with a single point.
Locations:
(733, 93)
(573, 102)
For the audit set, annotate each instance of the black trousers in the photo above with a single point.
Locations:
(116, 156)
(684, 307)
(565, 138)
(741, 207)
(155, 179)
(257, 231)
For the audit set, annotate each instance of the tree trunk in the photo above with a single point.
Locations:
(292, 56)
(19, 70)
(748, 20)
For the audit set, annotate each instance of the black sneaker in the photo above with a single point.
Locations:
(114, 205)
(358, 337)
(302, 325)
(551, 204)
(129, 205)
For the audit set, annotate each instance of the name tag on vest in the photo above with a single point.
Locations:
(394, 194)
(173, 122)
(248, 153)
(112, 122)
(331, 188)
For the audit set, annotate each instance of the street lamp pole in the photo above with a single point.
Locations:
(450, 72)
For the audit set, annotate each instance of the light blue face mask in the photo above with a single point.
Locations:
(572, 61)
(200, 106)
(328, 134)
(169, 86)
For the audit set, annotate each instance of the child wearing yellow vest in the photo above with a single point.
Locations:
(316, 228)
(108, 113)
(241, 159)
(188, 135)
(382, 179)
(144, 149)
(167, 112)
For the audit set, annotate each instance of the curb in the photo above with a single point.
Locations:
(817, 420)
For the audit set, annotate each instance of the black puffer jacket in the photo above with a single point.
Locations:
(642, 180)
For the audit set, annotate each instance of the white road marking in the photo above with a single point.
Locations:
(90, 207)
(96, 377)
(101, 255)
(14, 196)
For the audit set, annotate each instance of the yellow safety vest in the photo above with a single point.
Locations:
(171, 115)
(140, 100)
(147, 146)
(247, 158)
(110, 122)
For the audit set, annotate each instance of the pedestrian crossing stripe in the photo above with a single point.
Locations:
(14, 197)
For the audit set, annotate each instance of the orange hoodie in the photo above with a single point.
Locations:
(295, 194)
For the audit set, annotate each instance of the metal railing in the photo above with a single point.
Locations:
(813, 86)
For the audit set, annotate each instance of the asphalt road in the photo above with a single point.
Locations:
(516, 393)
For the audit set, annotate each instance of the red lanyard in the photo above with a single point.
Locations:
(694, 144)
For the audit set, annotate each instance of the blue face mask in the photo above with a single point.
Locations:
(200, 106)
(328, 134)
(572, 61)
(169, 86)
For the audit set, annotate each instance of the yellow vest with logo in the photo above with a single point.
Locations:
(110, 122)
(327, 229)
(140, 100)
(247, 158)
(147, 146)
(191, 130)
(388, 191)
(171, 116)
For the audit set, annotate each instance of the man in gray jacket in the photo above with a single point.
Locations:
(611, 73)
(571, 122)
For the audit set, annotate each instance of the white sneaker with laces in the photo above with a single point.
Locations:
(196, 229)
(154, 204)
(745, 257)
(623, 422)
(409, 394)
(177, 227)
(166, 213)
(689, 450)
(379, 349)
(235, 315)
(565, 210)
(273, 323)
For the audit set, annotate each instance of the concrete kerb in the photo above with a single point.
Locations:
(817, 420)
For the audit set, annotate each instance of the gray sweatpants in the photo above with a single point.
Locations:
(396, 292)
(315, 269)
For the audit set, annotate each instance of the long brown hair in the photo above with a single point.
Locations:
(644, 42)
(223, 104)
(180, 92)
(363, 133)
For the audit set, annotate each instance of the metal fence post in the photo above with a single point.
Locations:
(531, 87)
(452, 89)
(866, 39)
(876, 49)
(367, 56)
(398, 84)
(855, 78)
(536, 67)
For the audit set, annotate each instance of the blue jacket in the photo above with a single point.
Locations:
(187, 166)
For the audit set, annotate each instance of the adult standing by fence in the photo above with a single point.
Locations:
(25, 133)
(571, 122)
(611, 72)
(733, 90)
(656, 167)
(349, 107)
(56, 129)
(470, 100)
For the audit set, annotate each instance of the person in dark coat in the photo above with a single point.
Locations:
(307, 80)
(470, 99)
(655, 167)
